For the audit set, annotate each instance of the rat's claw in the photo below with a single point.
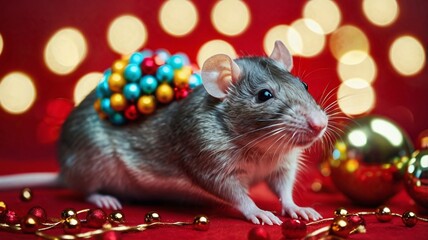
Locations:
(104, 201)
(266, 217)
(306, 213)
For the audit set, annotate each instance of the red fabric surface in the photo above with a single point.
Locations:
(225, 223)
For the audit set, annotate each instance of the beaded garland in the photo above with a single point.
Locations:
(137, 84)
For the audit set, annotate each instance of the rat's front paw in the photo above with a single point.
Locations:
(265, 216)
(104, 201)
(306, 213)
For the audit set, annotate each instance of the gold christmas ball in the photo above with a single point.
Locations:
(119, 65)
(164, 93)
(369, 159)
(68, 213)
(26, 194)
(116, 82)
(409, 219)
(116, 217)
(416, 177)
(340, 212)
(340, 227)
(152, 217)
(201, 223)
(29, 224)
(383, 214)
(181, 78)
(118, 101)
(146, 104)
(3, 206)
(72, 225)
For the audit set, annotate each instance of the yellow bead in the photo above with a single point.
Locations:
(201, 223)
(146, 104)
(152, 217)
(26, 194)
(97, 105)
(116, 82)
(181, 78)
(72, 225)
(118, 102)
(119, 65)
(2, 206)
(164, 93)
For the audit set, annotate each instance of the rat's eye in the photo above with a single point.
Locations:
(305, 84)
(264, 95)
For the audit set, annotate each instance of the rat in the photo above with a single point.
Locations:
(249, 121)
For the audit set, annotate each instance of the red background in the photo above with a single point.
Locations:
(27, 141)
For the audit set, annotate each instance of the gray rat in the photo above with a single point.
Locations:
(249, 122)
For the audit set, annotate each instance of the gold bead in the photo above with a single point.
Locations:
(201, 223)
(97, 105)
(118, 101)
(383, 214)
(152, 217)
(181, 78)
(116, 82)
(116, 217)
(340, 227)
(146, 104)
(29, 224)
(340, 212)
(68, 213)
(119, 65)
(2, 206)
(409, 219)
(72, 225)
(26, 194)
(164, 93)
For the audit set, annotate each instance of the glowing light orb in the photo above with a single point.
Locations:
(178, 17)
(349, 45)
(325, 12)
(17, 92)
(355, 97)
(230, 17)
(407, 55)
(289, 36)
(312, 41)
(381, 12)
(214, 47)
(126, 34)
(85, 85)
(365, 70)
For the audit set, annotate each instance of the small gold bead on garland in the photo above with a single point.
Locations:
(137, 85)
(36, 222)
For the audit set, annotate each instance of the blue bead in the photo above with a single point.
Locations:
(136, 58)
(163, 54)
(146, 53)
(184, 57)
(148, 84)
(107, 72)
(106, 106)
(117, 119)
(103, 89)
(165, 73)
(131, 91)
(175, 61)
(132, 72)
(195, 80)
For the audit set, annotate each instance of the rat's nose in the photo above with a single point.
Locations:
(317, 123)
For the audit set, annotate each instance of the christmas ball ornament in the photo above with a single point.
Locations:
(103, 89)
(68, 213)
(132, 72)
(9, 217)
(164, 93)
(72, 225)
(148, 84)
(181, 78)
(258, 233)
(293, 228)
(340, 227)
(131, 112)
(165, 73)
(195, 80)
(201, 223)
(409, 219)
(96, 218)
(383, 214)
(152, 217)
(26, 194)
(149, 66)
(136, 58)
(116, 82)
(38, 212)
(146, 104)
(116, 217)
(2, 206)
(340, 212)
(175, 61)
(162, 55)
(131, 91)
(181, 93)
(118, 102)
(117, 118)
(29, 224)
(119, 66)
(368, 161)
(106, 106)
(416, 175)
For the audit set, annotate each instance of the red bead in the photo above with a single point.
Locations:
(258, 233)
(293, 228)
(9, 217)
(181, 93)
(96, 218)
(356, 220)
(131, 112)
(38, 212)
(149, 66)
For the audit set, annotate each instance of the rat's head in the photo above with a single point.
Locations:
(264, 104)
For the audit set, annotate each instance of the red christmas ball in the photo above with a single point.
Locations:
(131, 112)
(181, 93)
(293, 228)
(258, 233)
(96, 218)
(9, 217)
(149, 66)
(38, 212)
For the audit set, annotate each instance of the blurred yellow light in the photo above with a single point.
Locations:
(312, 42)
(65, 50)
(126, 34)
(230, 17)
(365, 70)
(289, 36)
(214, 47)
(17, 92)
(388, 130)
(407, 55)
(1, 44)
(355, 96)
(381, 12)
(325, 12)
(178, 17)
(357, 138)
(85, 85)
(349, 45)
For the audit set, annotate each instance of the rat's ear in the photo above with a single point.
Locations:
(281, 54)
(218, 72)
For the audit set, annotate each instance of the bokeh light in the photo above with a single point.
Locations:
(289, 36)
(356, 96)
(178, 17)
(407, 55)
(85, 85)
(1, 44)
(65, 50)
(325, 12)
(230, 17)
(349, 45)
(312, 40)
(214, 47)
(365, 70)
(381, 12)
(126, 34)
(17, 92)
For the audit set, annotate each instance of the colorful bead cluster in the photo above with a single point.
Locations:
(96, 223)
(136, 85)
